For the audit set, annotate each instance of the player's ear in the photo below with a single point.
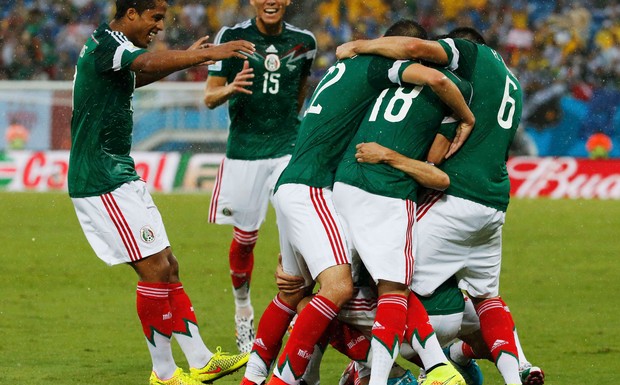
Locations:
(132, 14)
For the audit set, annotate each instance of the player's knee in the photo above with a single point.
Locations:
(339, 292)
(159, 267)
(292, 299)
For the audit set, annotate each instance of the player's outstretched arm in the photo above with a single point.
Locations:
(218, 90)
(424, 173)
(395, 47)
(449, 93)
(152, 66)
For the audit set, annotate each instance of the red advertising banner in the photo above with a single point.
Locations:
(530, 177)
(47, 170)
(564, 178)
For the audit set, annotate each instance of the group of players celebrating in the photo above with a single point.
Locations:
(390, 197)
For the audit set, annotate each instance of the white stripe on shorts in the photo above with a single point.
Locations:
(122, 226)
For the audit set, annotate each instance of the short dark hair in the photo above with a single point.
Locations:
(407, 28)
(139, 5)
(468, 33)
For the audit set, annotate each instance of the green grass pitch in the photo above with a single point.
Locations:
(66, 318)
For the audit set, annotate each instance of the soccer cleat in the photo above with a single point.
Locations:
(178, 378)
(406, 379)
(471, 372)
(532, 375)
(220, 365)
(244, 331)
(444, 375)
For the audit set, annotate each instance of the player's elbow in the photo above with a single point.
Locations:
(414, 48)
(210, 101)
(444, 182)
(438, 81)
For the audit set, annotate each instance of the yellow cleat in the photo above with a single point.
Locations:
(220, 365)
(444, 375)
(178, 378)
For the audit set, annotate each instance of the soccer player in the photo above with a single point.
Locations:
(112, 203)
(265, 93)
(378, 206)
(312, 239)
(460, 231)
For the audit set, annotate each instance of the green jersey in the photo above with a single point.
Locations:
(102, 121)
(406, 120)
(265, 124)
(336, 108)
(446, 299)
(478, 170)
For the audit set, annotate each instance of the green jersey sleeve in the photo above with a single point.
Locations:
(114, 52)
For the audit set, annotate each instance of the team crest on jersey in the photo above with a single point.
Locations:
(272, 62)
(147, 234)
(227, 212)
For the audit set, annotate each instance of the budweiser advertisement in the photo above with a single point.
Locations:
(564, 177)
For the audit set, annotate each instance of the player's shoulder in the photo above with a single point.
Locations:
(104, 35)
(304, 33)
(233, 32)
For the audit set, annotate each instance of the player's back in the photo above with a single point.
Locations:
(478, 170)
(406, 120)
(336, 108)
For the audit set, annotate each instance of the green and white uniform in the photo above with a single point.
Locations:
(114, 207)
(461, 230)
(263, 125)
(102, 122)
(310, 231)
(405, 120)
(377, 201)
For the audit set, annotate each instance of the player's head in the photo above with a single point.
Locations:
(141, 20)
(407, 28)
(270, 15)
(122, 6)
(467, 33)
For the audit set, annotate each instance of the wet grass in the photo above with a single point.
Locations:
(67, 318)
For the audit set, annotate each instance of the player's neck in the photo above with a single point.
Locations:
(269, 29)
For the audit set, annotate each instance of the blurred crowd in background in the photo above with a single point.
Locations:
(556, 47)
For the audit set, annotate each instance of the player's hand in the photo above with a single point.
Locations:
(463, 131)
(200, 43)
(243, 80)
(238, 48)
(288, 284)
(346, 50)
(371, 152)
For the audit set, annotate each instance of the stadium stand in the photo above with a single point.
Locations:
(566, 53)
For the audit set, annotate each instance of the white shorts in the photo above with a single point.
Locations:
(461, 238)
(312, 237)
(242, 191)
(380, 229)
(124, 225)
